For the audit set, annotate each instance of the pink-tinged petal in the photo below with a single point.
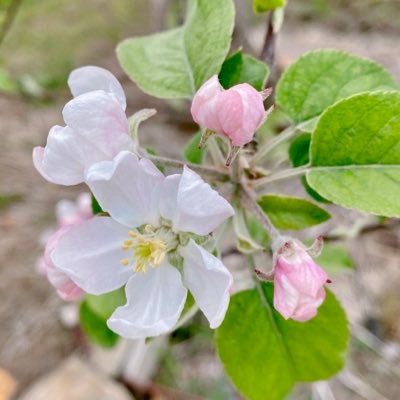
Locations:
(90, 254)
(192, 205)
(286, 297)
(90, 78)
(71, 213)
(62, 160)
(99, 119)
(308, 306)
(208, 280)
(204, 103)
(128, 189)
(240, 111)
(66, 288)
(304, 274)
(155, 300)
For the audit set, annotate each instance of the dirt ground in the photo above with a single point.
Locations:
(33, 341)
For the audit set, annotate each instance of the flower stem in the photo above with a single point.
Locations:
(201, 169)
(285, 174)
(251, 203)
(271, 144)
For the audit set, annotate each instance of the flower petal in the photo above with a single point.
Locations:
(286, 297)
(127, 188)
(208, 280)
(61, 161)
(155, 301)
(90, 254)
(99, 119)
(90, 78)
(192, 205)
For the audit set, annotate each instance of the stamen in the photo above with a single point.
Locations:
(124, 262)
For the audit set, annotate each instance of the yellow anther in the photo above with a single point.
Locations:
(124, 262)
(128, 242)
(125, 247)
(132, 234)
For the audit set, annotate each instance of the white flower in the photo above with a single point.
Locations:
(155, 222)
(97, 128)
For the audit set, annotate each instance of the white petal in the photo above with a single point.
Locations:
(208, 280)
(90, 254)
(62, 160)
(127, 188)
(99, 119)
(90, 78)
(192, 205)
(155, 302)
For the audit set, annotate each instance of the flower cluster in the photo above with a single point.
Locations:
(153, 239)
(154, 236)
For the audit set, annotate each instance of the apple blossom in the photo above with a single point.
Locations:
(236, 112)
(68, 214)
(298, 282)
(96, 128)
(150, 243)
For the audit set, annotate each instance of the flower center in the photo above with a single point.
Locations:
(146, 249)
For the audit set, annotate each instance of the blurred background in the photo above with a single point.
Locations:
(43, 354)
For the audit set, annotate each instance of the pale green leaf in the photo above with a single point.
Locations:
(243, 68)
(260, 6)
(266, 355)
(292, 212)
(334, 258)
(105, 304)
(322, 77)
(355, 153)
(174, 64)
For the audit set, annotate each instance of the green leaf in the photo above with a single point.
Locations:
(292, 212)
(355, 154)
(321, 78)
(96, 208)
(260, 6)
(243, 68)
(334, 258)
(105, 304)
(174, 64)
(96, 328)
(7, 84)
(266, 355)
(191, 152)
(137, 118)
(244, 240)
(299, 155)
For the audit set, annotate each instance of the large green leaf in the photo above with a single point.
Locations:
(96, 327)
(265, 355)
(174, 64)
(355, 153)
(292, 212)
(320, 78)
(260, 6)
(243, 68)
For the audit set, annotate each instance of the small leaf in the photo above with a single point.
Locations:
(243, 68)
(260, 6)
(175, 63)
(322, 77)
(96, 328)
(136, 119)
(191, 152)
(355, 154)
(292, 212)
(266, 355)
(334, 258)
(299, 155)
(105, 304)
(96, 208)
(244, 241)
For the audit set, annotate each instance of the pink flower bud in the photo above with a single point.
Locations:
(236, 112)
(298, 282)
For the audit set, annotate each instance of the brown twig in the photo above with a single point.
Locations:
(268, 50)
